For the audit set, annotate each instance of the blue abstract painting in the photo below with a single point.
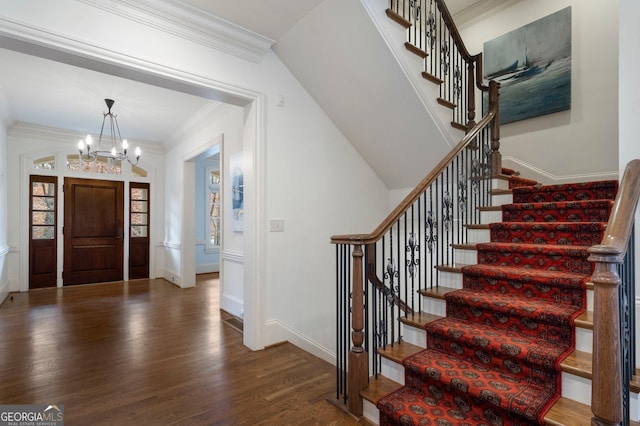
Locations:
(533, 66)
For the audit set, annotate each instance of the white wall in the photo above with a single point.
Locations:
(579, 144)
(4, 178)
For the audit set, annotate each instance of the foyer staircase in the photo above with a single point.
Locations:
(499, 355)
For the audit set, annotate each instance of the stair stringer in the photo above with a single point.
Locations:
(395, 37)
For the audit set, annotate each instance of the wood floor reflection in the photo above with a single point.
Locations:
(148, 353)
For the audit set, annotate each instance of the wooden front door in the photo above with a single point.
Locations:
(43, 245)
(93, 231)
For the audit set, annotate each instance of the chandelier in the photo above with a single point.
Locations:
(86, 147)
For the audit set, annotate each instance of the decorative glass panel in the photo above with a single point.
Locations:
(215, 232)
(43, 218)
(73, 163)
(44, 203)
(43, 188)
(138, 171)
(87, 164)
(43, 232)
(139, 206)
(45, 163)
(139, 194)
(214, 177)
(139, 231)
(138, 218)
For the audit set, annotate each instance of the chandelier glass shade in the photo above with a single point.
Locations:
(115, 151)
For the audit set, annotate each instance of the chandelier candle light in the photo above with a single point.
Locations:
(114, 154)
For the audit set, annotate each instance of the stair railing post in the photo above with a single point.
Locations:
(357, 375)
(496, 156)
(471, 94)
(606, 398)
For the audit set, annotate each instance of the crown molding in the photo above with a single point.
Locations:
(182, 20)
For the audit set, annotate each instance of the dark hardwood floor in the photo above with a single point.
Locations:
(149, 353)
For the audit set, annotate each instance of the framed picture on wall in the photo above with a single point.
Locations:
(533, 66)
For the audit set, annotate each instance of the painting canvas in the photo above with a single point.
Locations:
(237, 192)
(533, 66)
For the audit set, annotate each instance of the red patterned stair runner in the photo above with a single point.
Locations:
(494, 359)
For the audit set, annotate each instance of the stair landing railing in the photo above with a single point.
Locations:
(613, 359)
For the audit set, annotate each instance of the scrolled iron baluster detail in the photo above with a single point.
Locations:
(390, 274)
(447, 206)
(381, 334)
(457, 82)
(430, 30)
(416, 10)
(414, 251)
(487, 153)
(431, 232)
(476, 175)
(462, 192)
(445, 53)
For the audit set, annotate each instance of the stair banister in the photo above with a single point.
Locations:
(357, 370)
(606, 395)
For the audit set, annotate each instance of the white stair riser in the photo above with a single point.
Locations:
(500, 183)
(370, 412)
(434, 306)
(466, 257)
(450, 279)
(491, 216)
(584, 339)
(415, 336)
(576, 388)
(498, 200)
(590, 297)
(479, 236)
(392, 370)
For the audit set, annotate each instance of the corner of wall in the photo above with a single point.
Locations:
(276, 332)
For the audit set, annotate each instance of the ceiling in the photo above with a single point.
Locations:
(53, 94)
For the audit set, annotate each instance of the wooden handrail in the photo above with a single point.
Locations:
(606, 397)
(423, 185)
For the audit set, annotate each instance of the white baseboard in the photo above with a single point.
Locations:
(206, 268)
(172, 277)
(4, 291)
(276, 332)
(232, 304)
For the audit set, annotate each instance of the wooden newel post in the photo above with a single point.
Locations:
(606, 388)
(471, 95)
(496, 156)
(358, 367)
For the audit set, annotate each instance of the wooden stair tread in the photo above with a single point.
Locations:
(437, 292)
(585, 320)
(456, 267)
(501, 191)
(420, 319)
(490, 209)
(399, 351)
(464, 246)
(460, 126)
(446, 103)
(415, 50)
(397, 18)
(565, 412)
(378, 387)
(477, 226)
(432, 78)
(578, 363)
